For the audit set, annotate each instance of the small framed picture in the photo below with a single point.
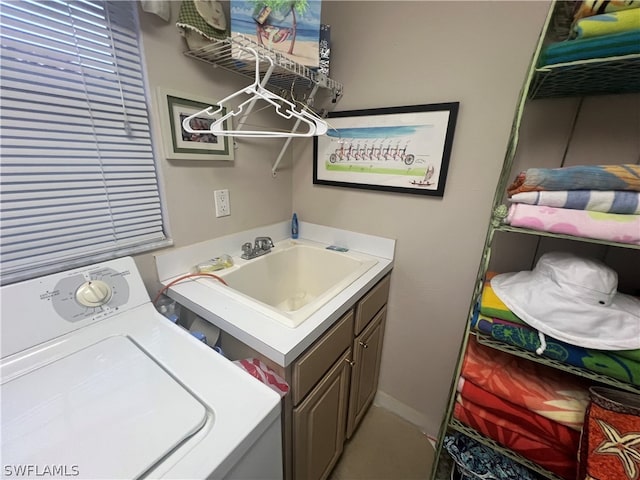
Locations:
(179, 144)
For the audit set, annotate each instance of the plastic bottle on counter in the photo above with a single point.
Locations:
(294, 226)
(169, 308)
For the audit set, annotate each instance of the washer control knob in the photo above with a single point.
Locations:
(93, 293)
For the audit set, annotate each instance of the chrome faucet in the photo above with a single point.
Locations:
(261, 245)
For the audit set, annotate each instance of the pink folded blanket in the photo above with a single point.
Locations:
(580, 223)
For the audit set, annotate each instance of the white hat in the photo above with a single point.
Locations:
(573, 299)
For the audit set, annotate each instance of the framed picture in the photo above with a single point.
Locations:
(174, 107)
(396, 149)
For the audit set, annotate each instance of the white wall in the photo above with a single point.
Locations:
(386, 54)
(407, 53)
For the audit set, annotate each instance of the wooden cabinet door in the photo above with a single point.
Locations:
(367, 350)
(319, 424)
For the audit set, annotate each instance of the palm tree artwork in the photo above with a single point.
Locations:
(266, 11)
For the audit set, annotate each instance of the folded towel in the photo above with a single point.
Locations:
(579, 223)
(582, 177)
(609, 201)
(621, 365)
(618, 44)
(551, 393)
(588, 8)
(607, 24)
(521, 418)
(492, 306)
(535, 448)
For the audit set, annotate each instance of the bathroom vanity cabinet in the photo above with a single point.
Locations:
(332, 384)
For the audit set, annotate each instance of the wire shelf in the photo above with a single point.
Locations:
(598, 76)
(595, 76)
(288, 77)
(471, 433)
(498, 219)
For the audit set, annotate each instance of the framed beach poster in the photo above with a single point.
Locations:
(396, 149)
(289, 28)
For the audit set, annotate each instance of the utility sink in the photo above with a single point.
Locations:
(292, 281)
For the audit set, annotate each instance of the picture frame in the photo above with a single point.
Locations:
(173, 107)
(396, 149)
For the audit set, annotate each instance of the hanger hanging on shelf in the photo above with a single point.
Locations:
(284, 108)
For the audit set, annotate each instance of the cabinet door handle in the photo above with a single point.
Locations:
(363, 345)
(350, 362)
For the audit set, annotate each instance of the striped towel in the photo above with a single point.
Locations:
(582, 177)
(609, 201)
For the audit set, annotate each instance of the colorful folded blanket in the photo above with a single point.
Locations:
(609, 201)
(588, 8)
(583, 177)
(520, 419)
(625, 368)
(534, 448)
(492, 306)
(619, 44)
(579, 223)
(606, 24)
(548, 392)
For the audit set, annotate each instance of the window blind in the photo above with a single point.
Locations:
(77, 172)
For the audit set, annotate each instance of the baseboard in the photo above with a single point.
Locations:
(405, 412)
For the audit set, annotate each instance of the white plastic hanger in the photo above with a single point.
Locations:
(283, 107)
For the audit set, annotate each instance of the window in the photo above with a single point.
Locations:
(78, 176)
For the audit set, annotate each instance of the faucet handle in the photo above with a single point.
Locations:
(264, 243)
(246, 248)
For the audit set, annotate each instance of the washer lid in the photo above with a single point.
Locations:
(107, 411)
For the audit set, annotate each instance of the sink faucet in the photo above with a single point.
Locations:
(261, 246)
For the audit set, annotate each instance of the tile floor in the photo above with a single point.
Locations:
(385, 447)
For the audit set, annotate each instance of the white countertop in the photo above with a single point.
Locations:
(276, 341)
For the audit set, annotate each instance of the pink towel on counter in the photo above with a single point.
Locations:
(580, 223)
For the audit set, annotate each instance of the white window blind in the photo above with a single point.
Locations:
(77, 171)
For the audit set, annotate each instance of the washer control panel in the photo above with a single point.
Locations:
(95, 292)
(40, 309)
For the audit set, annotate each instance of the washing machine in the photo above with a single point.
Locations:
(97, 384)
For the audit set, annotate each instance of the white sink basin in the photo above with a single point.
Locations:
(292, 281)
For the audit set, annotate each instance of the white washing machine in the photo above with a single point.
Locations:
(97, 384)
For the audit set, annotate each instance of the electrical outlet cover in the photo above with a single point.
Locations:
(223, 207)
